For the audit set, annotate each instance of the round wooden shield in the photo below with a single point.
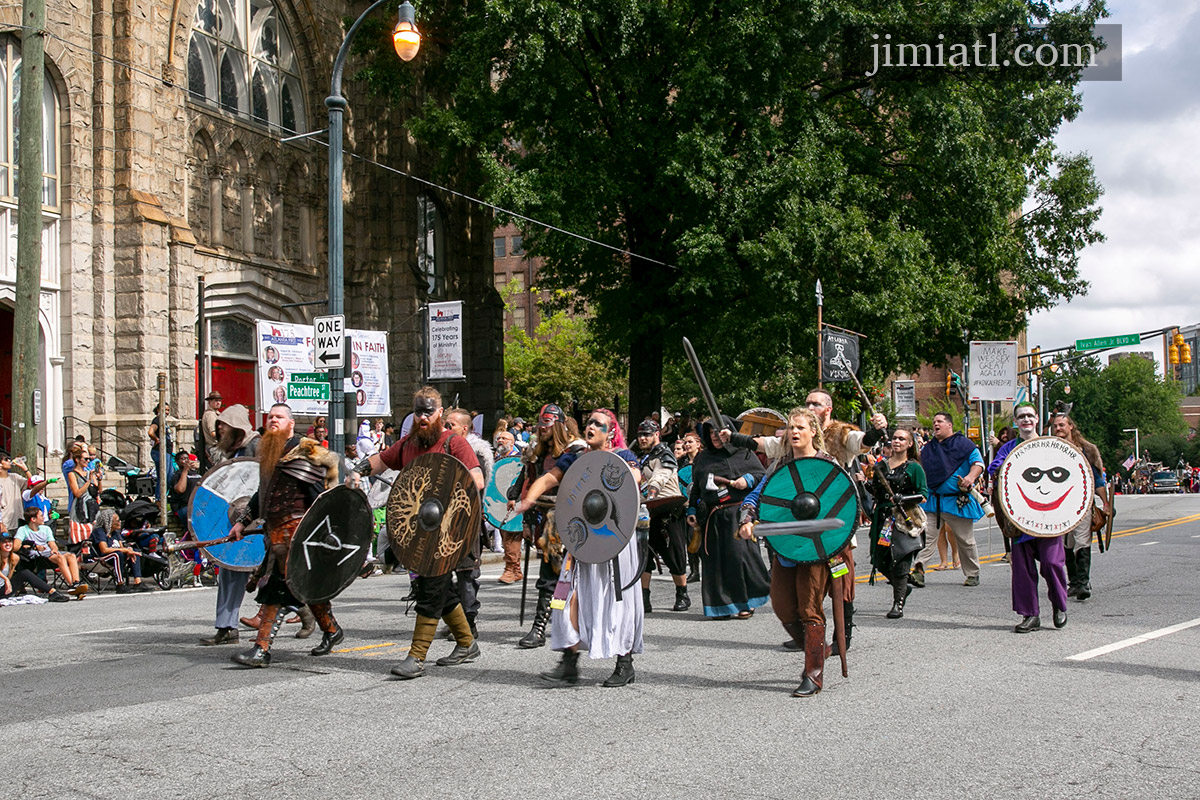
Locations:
(1045, 487)
(219, 500)
(495, 496)
(810, 488)
(760, 421)
(433, 508)
(597, 506)
(330, 545)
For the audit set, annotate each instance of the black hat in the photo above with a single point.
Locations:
(647, 426)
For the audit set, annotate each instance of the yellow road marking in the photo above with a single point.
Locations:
(364, 647)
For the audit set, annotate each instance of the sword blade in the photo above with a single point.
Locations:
(799, 526)
(705, 391)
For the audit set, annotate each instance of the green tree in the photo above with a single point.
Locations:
(731, 152)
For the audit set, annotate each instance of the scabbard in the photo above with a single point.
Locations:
(524, 582)
(839, 622)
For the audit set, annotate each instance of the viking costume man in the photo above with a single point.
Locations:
(294, 471)
(668, 532)
(553, 441)
(734, 580)
(435, 595)
(593, 618)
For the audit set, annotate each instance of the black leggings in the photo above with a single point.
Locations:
(23, 577)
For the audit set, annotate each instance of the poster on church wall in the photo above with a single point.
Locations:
(286, 373)
(446, 341)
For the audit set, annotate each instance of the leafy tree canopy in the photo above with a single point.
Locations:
(741, 144)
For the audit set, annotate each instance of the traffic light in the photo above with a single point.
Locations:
(949, 383)
(1185, 354)
(1180, 352)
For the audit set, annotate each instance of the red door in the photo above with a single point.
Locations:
(234, 379)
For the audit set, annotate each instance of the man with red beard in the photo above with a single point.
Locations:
(293, 471)
(435, 596)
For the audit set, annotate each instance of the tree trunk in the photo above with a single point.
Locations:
(645, 378)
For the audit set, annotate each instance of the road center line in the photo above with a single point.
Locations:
(1145, 637)
(1146, 544)
(102, 630)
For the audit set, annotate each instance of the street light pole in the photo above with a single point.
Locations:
(1137, 450)
(406, 40)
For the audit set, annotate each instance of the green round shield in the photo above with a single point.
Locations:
(810, 488)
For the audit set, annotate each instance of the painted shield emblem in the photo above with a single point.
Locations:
(1045, 487)
(810, 489)
(434, 506)
(597, 507)
(330, 545)
(495, 497)
(220, 499)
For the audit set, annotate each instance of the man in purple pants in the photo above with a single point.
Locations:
(1028, 550)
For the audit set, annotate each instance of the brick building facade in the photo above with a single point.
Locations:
(166, 164)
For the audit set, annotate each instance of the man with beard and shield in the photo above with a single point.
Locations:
(435, 595)
(293, 471)
(668, 530)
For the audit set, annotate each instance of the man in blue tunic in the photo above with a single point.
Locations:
(952, 464)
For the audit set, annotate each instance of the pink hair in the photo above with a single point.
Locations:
(618, 441)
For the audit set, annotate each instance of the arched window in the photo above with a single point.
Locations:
(431, 247)
(241, 60)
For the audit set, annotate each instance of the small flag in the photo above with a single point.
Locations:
(1129, 462)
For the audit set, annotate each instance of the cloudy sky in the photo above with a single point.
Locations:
(1141, 133)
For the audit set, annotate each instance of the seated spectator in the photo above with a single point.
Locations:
(15, 579)
(111, 551)
(44, 552)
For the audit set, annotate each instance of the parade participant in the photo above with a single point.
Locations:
(1028, 550)
(691, 449)
(735, 580)
(434, 595)
(593, 617)
(844, 442)
(902, 471)
(797, 590)
(952, 463)
(466, 578)
(668, 530)
(293, 471)
(236, 438)
(554, 440)
(1078, 542)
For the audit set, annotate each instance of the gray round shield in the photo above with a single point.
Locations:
(597, 507)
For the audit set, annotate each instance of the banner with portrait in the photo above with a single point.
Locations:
(286, 373)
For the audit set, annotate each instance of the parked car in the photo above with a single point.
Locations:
(1165, 482)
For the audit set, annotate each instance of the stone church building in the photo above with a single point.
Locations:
(166, 169)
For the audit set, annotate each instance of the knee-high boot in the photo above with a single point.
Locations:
(332, 633)
(537, 634)
(512, 559)
(260, 655)
(465, 646)
(414, 666)
(1072, 573)
(814, 660)
(1083, 571)
(900, 592)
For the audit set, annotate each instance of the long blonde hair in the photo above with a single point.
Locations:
(814, 424)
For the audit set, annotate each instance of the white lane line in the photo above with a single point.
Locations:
(1145, 637)
(1196, 536)
(102, 630)
(1146, 544)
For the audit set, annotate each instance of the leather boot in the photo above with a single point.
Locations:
(260, 655)
(252, 622)
(567, 671)
(223, 636)
(465, 647)
(848, 610)
(329, 640)
(537, 634)
(623, 674)
(1072, 573)
(682, 601)
(814, 660)
(646, 601)
(308, 623)
(512, 560)
(422, 637)
(900, 590)
(1083, 566)
(796, 629)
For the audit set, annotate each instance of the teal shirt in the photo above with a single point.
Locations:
(949, 504)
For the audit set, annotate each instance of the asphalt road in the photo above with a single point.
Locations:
(111, 697)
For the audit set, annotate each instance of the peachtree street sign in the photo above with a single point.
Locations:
(308, 386)
(1108, 341)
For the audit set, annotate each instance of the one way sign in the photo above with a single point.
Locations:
(328, 340)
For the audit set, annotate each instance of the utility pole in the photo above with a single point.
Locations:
(25, 367)
(820, 335)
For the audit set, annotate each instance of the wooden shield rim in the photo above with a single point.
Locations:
(762, 411)
(293, 548)
(191, 501)
(562, 513)
(476, 520)
(850, 525)
(1091, 490)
